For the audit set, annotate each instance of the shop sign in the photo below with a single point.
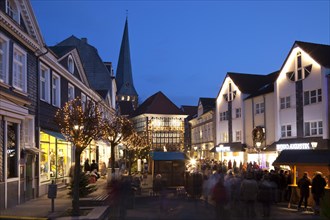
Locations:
(222, 148)
(294, 146)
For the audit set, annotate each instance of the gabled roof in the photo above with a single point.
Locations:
(319, 52)
(124, 78)
(268, 87)
(248, 83)
(61, 50)
(207, 103)
(97, 73)
(190, 110)
(158, 104)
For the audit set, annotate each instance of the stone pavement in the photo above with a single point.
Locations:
(146, 207)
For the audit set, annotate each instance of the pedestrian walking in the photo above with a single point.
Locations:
(303, 185)
(318, 185)
(248, 194)
(220, 197)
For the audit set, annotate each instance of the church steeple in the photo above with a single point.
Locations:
(124, 79)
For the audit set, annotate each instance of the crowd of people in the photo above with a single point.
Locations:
(230, 186)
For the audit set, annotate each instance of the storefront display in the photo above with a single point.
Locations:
(55, 159)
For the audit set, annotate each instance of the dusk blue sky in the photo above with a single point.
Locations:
(185, 48)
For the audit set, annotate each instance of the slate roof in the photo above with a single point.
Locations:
(319, 52)
(158, 104)
(124, 78)
(207, 103)
(268, 85)
(97, 74)
(190, 110)
(248, 83)
(103, 93)
(61, 50)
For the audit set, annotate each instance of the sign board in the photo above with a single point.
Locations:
(293, 146)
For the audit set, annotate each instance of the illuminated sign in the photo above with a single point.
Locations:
(294, 146)
(221, 148)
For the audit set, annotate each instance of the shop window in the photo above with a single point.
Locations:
(4, 44)
(12, 149)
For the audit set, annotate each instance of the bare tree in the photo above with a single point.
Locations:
(80, 125)
(115, 131)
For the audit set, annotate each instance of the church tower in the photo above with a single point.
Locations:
(125, 87)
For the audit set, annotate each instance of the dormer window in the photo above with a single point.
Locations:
(12, 10)
(300, 72)
(70, 64)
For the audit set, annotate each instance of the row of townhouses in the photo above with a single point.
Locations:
(255, 117)
(35, 81)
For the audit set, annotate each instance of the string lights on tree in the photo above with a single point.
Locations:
(80, 124)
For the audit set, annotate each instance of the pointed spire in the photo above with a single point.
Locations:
(124, 78)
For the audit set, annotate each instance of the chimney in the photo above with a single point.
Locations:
(84, 40)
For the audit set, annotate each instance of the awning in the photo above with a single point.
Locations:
(159, 155)
(32, 149)
(234, 147)
(54, 134)
(303, 157)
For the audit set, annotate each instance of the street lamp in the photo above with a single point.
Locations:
(314, 145)
(258, 144)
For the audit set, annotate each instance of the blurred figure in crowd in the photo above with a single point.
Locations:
(318, 185)
(303, 185)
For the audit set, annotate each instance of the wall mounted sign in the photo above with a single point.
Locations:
(293, 146)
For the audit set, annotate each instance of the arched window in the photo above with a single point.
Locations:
(70, 64)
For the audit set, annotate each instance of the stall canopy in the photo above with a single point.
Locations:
(159, 155)
(303, 157)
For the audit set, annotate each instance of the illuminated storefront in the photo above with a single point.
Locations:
(55, 158)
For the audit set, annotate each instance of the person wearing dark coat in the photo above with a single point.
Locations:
(94, 166)
(318, 185)
(87, 167)
(303, 185)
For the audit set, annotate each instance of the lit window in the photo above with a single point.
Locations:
(285, 102)
(12, 10)
(70, 92)
(314, 128)
(56, 90)
(44, 83)
(3, 59)
(19, 69)
(286, 131)
(260, 108)
(70, 64)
